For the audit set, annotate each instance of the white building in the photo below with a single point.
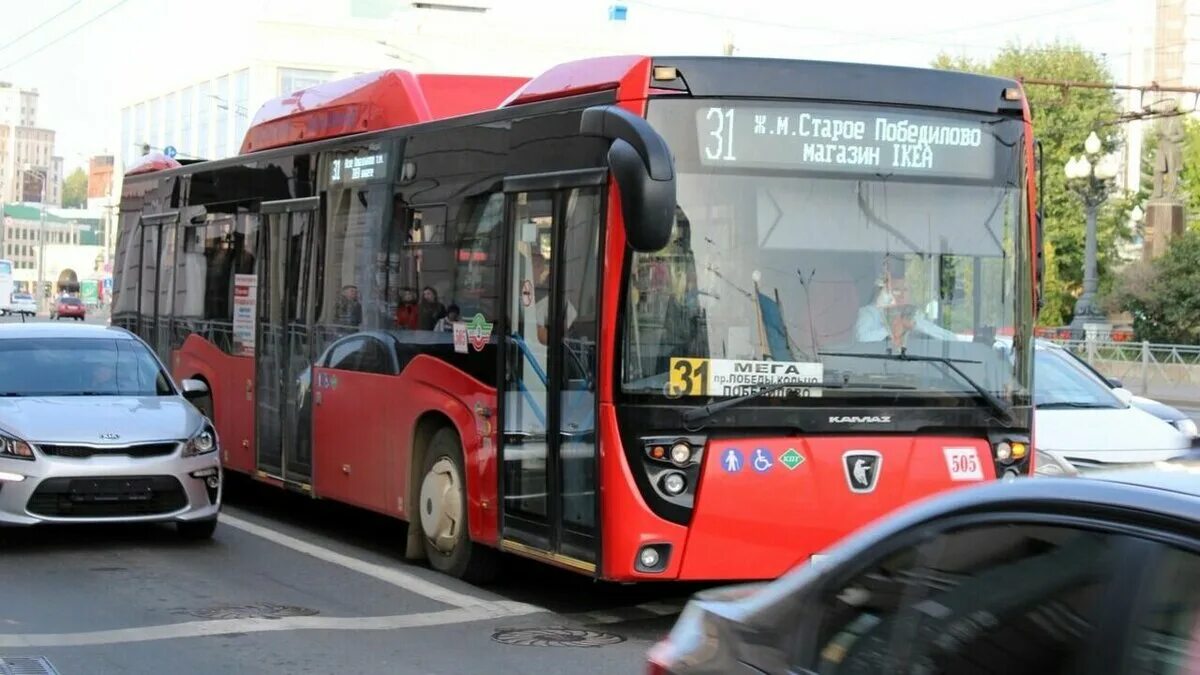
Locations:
(202, 106)
(23, 145)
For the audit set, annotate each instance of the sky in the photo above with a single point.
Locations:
(81, 55)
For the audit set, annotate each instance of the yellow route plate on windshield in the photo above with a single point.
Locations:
(734, 377)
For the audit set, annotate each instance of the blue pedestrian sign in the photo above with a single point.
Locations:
(169, 151)
(763, 461)
(732, 460)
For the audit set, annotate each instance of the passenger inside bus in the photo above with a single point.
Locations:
(406, 311)
(349, 309)
(430, 310)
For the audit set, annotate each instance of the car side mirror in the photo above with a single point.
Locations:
(1114, 382)
(194, 389)
(1123, 394)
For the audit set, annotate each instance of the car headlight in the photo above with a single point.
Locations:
(204, 442)
(15, 448)
(1187, 427)
(1049, 464)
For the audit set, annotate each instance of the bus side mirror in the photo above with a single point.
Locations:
(643, 170)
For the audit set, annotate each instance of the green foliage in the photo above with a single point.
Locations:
(1062, 119)
(75, 190)
(1189, 178)
(1162, 295)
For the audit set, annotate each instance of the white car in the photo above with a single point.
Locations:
(93, 429)
(22, 303)
(1084, 423)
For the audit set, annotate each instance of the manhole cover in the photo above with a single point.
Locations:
(26, 665)
(555, 637)
(262, 610)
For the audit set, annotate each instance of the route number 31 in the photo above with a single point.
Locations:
(720, 146)
(689, 377)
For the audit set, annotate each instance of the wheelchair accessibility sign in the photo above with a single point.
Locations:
(762, 460)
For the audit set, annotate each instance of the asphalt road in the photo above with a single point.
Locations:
(289, 585)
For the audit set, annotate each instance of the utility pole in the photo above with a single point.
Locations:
(728, 47)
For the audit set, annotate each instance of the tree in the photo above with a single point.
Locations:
(75, 190)
(1062, 119)
(1162, 296)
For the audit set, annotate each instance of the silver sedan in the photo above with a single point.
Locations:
(92, 429)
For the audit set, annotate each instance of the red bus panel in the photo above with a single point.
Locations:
(766, 504)
(231, 385)
(372, 102)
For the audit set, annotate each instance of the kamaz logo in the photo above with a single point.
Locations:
(860, 419)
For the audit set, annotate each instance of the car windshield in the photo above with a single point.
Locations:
(795, 266)
(1061, 382)
(79, 367)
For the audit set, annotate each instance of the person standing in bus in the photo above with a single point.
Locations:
(406, 312)
(430, 310)
(349, 309)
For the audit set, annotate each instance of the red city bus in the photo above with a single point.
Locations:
(644, 318)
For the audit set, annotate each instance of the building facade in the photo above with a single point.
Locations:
(27, 160)
(71, 236)
(202, 108)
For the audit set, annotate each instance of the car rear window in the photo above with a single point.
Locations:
(79, 367)
(70, 301)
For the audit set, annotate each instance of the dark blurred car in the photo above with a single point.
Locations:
(1054, 575)
(69, 308)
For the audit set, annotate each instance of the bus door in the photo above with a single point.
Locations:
(283, 341)
(548, 455)
(156, 285)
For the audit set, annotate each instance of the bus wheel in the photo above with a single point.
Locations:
(443, 508)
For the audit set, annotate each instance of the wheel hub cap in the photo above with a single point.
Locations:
(441, 505)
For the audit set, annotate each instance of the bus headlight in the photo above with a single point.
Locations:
(681, 453)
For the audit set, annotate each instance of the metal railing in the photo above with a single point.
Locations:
(1165, 370)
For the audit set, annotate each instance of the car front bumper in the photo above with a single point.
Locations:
(110, 488)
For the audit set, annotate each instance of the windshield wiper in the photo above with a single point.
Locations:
(1072, 404)
(706, 411)
(994, 403)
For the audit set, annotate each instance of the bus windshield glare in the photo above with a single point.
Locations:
(813, 241)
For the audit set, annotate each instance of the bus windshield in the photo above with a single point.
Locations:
(812, 243)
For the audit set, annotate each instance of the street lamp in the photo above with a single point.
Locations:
(39, 293)
(1090, 176)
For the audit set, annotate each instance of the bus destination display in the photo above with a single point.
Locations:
(844, 141)
(364, 167)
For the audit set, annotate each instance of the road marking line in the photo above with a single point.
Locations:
(191, 629)
(399, 578)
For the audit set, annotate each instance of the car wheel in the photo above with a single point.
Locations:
(442, 505)
(196, 530)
